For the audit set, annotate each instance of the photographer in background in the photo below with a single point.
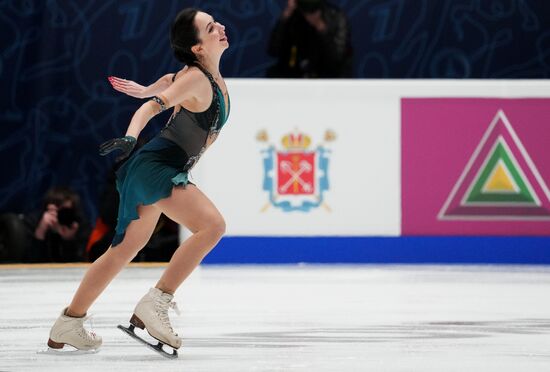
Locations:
(58, 232)
(311, 40)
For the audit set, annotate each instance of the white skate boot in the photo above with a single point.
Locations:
(70, 331)
(151, 314)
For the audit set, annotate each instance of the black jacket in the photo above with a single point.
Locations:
(303, 52)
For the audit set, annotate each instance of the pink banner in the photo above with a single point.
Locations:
(475, 166)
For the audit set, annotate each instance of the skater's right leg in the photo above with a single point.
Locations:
(189, 207)
(106, 267)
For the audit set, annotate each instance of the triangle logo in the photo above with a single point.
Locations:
(499, 182)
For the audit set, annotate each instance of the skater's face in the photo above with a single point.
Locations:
(213, 40)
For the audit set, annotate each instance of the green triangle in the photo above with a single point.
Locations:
(477, 193)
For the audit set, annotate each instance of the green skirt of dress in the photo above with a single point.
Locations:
(146, 177)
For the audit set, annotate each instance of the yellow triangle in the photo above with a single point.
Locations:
(500, 181)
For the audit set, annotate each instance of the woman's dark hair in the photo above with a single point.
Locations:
(59, 195)
(309, 6)
(184, 35)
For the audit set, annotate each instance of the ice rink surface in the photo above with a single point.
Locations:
(298, 318)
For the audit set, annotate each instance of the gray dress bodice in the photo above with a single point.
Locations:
(193, 132)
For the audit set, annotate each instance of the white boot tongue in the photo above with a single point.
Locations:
(155, 292)
(166, 297)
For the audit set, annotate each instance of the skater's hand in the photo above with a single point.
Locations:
(47, 222)
(126, 144)
(128, 87)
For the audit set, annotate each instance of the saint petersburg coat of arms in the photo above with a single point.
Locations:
(296, 177)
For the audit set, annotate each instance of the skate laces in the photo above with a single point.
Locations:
(162, 310)
(174, 306)
(85, 334)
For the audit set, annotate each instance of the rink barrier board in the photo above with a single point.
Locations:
(367, 193)
(382, 250)
(361, 250)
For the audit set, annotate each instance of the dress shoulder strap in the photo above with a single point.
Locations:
(208, 75)
(215, 89)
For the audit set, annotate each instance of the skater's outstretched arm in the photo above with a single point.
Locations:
(134, 89)
(192, 87)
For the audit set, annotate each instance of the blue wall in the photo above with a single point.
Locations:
(382, 250)
(56, 105)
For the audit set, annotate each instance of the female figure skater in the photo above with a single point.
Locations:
(154, 181)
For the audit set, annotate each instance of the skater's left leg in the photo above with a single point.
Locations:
(69, 326)
(106, 267)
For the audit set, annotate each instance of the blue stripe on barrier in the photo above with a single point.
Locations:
(401, 250)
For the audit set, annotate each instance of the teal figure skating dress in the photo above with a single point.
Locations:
(164, 162)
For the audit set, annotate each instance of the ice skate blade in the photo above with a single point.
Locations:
(158, 348)
(50, 351)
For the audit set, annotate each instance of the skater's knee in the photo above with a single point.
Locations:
(119, 256)
(216, 228)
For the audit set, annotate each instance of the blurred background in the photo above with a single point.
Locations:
(464, 74)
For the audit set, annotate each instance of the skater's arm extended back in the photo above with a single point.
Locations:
(137, 90)
(190, 87)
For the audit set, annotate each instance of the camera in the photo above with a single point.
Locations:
(66, 216)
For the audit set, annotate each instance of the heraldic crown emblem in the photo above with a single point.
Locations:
(295, 177)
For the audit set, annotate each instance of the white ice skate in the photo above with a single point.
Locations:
(151, 314)
(70, 331)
